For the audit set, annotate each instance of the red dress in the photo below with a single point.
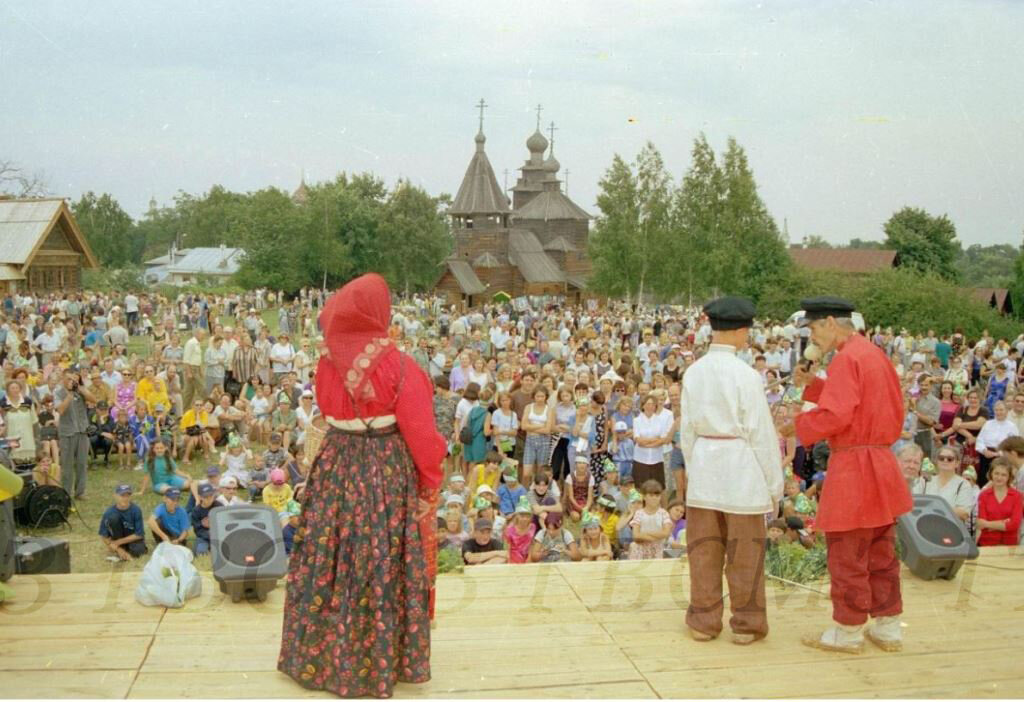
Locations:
(860, 413)
(993, 510)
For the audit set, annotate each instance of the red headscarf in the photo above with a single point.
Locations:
(355, 322)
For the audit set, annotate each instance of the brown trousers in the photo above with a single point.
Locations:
(736, 542)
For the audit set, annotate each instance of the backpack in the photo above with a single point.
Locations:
(466, 434)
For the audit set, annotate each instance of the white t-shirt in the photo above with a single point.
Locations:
(131, 303)
(260, 406)
(282, 356)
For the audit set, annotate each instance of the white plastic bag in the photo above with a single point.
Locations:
(169, 578)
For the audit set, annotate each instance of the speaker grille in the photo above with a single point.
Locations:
(939, 531)
(248, 547)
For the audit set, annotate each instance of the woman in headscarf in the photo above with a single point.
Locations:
(357, 608)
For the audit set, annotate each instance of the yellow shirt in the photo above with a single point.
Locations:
(189, 419)
(277, 496)
(610, 527)
(492, 478)
(153, 392)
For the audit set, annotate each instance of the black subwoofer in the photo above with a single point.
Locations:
(247, 548)
(933, 540)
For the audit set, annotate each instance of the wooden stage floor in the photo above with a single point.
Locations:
(574, 630)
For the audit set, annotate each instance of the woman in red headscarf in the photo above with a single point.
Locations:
(356, 618)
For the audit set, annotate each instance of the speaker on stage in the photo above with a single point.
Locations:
(247, 549)
(933, 540)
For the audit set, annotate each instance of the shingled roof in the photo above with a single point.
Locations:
(465, 277)
(479, 193)
(999, 298)
(527, 253)
(551, 204)
(846, 260)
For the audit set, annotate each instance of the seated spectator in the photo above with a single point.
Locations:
(607, 514)
(553, 543)
(484, 508)
(193, 425)
(594, 545)
(229, 492)
(456, 486)
(46, 472)
(121, 527)
(579, 489)
(621, 448)
(122, 432)
(169, 522)
(162, 472)
(797, 533)
(677, 538)
(455, 528)
(627, 486)
(509, 491)
(236, 461)
(201, 518)
(290, 525)
(487, 473)
(101, 431)
(950, 486)
(625, 535)
(213, 477)
(284, 421)
(651, 525)
(610, 485)
(776, 532)
(520, 532)
(482, 548)
(910, 457)
(279, 493)
(541, 500)
(999, 508)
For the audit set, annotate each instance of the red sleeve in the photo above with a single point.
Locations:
(328, 389)
(1016, 506)
(415, 414)
(812, 393)
(838, 403)
(983, 504)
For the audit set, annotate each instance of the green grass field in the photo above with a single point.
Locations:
(88, 554)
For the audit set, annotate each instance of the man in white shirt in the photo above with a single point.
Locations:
(734, 478)
(131, 309)
(192, 367)
(47, 344)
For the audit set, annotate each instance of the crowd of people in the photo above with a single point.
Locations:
(562, 421)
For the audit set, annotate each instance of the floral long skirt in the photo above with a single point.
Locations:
(355, 616)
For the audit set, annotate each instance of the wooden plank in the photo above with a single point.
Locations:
(106, 684)
(93, 630)
(122, 653)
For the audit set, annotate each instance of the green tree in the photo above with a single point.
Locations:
(1017, 285)
(987, 266)
(618, 264)
(925, 243)
(654, 199)
(109, 230)
(696, 215)
(856, 243)
(755, 255)
(816, 241)
(415, 232)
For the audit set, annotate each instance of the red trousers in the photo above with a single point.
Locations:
(865, 574)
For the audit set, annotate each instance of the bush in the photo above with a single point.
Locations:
(892, 298)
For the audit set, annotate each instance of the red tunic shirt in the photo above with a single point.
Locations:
(860, 413)
(993, 510)
(414, 408)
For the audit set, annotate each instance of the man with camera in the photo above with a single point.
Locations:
(72, 431)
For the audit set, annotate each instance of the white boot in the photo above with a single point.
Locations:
(840, 638)
(886, 633)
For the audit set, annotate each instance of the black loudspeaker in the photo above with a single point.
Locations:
(247, 547)
(39, 555)
(7, 547)
(934, 542)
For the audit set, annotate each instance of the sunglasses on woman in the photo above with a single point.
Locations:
(946, 457)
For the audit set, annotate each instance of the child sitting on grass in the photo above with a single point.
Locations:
(651, 525)
(290, 525)
(594, 544)
(519, 534)
(487, 473)
(607, 515)
(279, 493)
(509, 492)
(162, 472)
(484, 509)
(579, 489)
(677, 539)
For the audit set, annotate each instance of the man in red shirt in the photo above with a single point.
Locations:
(860, 414)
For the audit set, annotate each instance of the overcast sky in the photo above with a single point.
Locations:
(848, 110)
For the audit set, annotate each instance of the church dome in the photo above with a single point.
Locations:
(551, 164)
(480, 138)
(537, 143)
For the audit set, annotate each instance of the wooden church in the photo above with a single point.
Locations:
(533, 244)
